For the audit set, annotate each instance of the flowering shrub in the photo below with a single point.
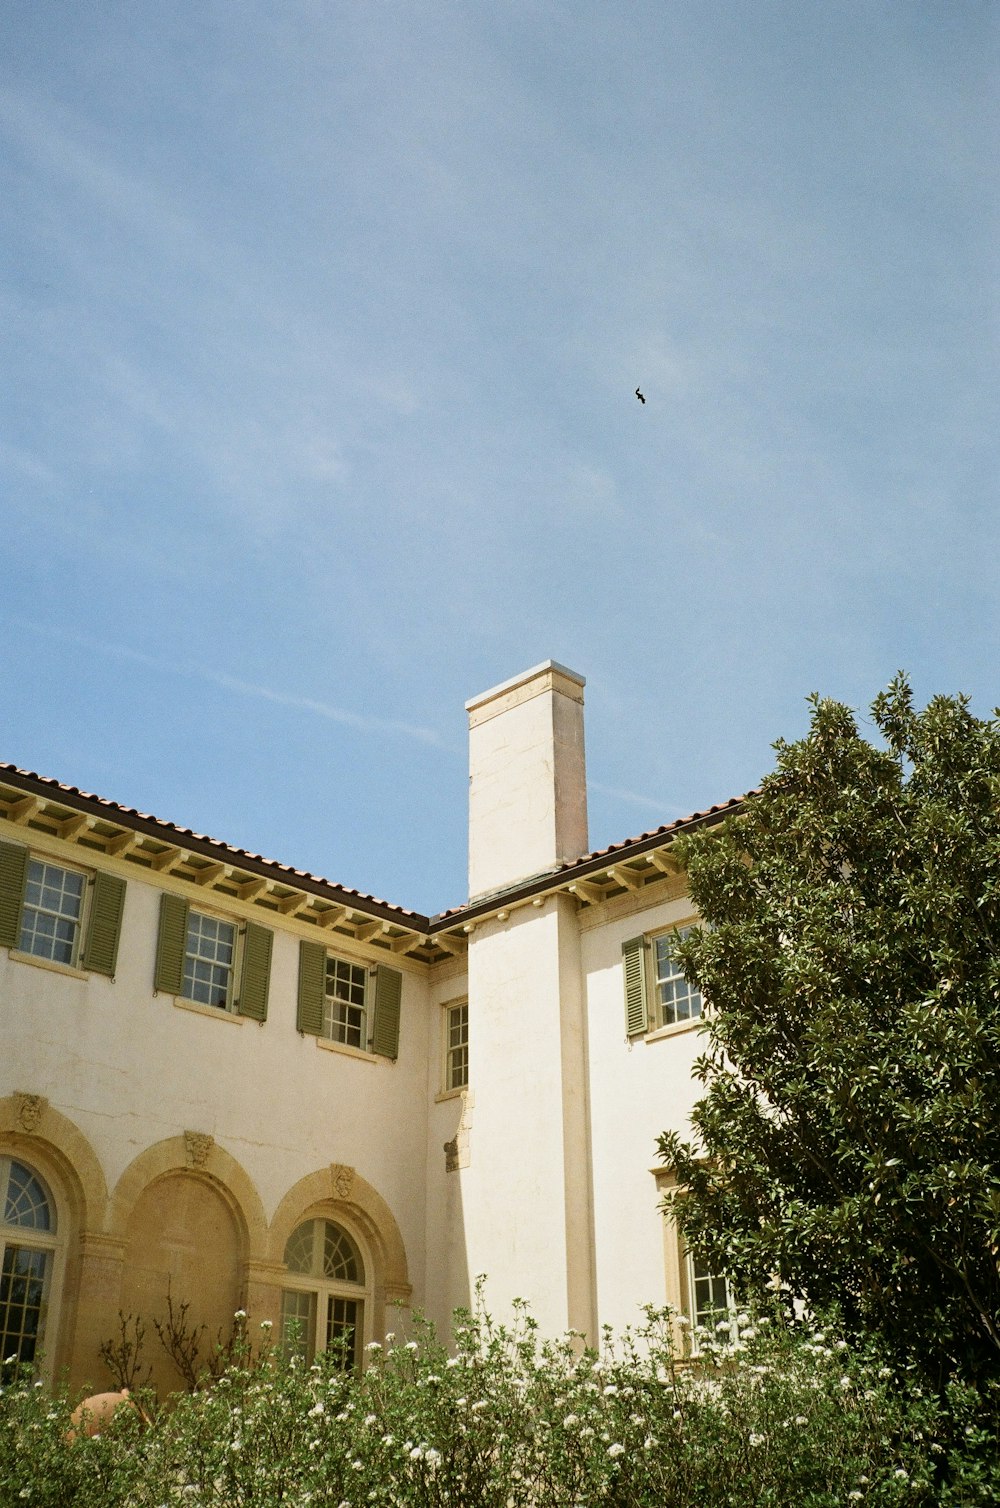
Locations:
(509, 1419)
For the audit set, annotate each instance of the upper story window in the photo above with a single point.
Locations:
(656, 991)
(353, 1004)
(52, 911)
(212, 960)
(27, 1245)
(209, 960)
(345, 1002)
(676, 999)
(456, 1050)
(58, 914)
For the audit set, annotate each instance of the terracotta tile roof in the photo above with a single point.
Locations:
(669, 829)
(600, 857)
(157, 827)
(170, 832)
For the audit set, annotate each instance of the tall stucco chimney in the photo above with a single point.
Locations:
(527, 777)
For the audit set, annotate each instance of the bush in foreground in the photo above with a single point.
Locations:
(785, 1418)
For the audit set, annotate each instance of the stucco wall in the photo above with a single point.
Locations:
(638, 1089)
(131, 1069)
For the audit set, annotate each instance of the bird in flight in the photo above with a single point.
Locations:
(639, 396)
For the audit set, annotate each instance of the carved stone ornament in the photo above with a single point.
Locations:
(343, 1180)
(29, 1109)
(197, 1145)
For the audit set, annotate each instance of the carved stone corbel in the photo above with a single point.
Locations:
(197, 1146)
(342, 1180)
(28, 1110)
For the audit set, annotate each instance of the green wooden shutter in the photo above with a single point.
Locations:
(385, 1025)
(170, 944)
(13, 873)
(312, 988)
(100, 949)
(634, 960)
(256, 972)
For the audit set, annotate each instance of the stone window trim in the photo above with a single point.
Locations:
(689, 1281)
(360, 1054)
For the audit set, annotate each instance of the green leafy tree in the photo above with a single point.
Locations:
(848, 1143)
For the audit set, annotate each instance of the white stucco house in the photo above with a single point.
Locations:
(248, 1086)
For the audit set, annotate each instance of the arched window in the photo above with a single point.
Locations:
(27, 1249)
(323, 1304)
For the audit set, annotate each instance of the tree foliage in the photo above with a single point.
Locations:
(848, 1143)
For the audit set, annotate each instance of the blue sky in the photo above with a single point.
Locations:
(320, 329)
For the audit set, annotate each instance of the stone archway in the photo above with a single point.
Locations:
(190, 1222)
(339, 1191)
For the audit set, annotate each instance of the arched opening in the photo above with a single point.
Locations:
(184, 1247)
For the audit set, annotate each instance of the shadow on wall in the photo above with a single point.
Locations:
(448, 1283)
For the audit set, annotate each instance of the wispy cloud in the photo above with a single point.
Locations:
(633, 798)
(141, 401)
(363, 723)
(54, 141)
(22, 461)
(360, 722)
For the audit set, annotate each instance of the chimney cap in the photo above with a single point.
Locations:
(550, 669)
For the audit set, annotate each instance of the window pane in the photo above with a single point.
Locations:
(22, 1286)
(344, 1023)
(298, 1324)
(676, 999)
(343, 1326)
(711, 1294)
(299, 1251)
(344, 1015)
(208, 959)
(457, 1071)
(25, 1203)
(346, 981)
(340, 1256)
(50, 918)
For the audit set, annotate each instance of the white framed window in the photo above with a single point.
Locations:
(710, 1296)
(657, 995)
(353, 1004)
(205, 959)
(675, 1000)
(56, 915)
(27, 1253)
(345, 1002)
(52, 912)
(326, 1297)
(209, 960)
(456, 1046)
(711, 1304)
